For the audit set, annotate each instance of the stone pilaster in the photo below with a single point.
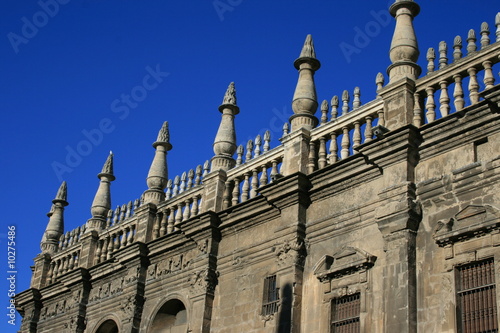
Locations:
(28, 304)
(89, 246)
(146, 215)
(398, 103)
(42, 265)
(296, 156)
(214, 186)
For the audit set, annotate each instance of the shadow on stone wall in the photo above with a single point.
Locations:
(285, 314)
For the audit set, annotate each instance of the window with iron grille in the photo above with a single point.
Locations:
(271, 296)
(476, 297)
(345, 314)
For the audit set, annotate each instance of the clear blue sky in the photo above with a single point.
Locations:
(68, 72)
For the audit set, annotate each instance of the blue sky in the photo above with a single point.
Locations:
(83, 77)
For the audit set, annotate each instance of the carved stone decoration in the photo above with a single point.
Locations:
(164, 268)
(345, 261)
(203, 281)
(132, 275)
(151, 275)
(291, 252)
(472, 221)
(72, 323)
(116, 286)
(128, 306)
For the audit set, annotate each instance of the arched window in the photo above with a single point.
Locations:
(171, 318)
(109, 326)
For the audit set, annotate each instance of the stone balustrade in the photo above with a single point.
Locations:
(114, 238)
(64, 262)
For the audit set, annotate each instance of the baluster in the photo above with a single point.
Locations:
(473, 86)
(125, 236)
(485, 35)
(417, 110)
(322, 153)
(206, 168)
(267, 141)
(345, 102)
(104, 253)
(71, 262)
(116, 215)
(263, 177)
(168, 193)
(157, 225)
(443, 51)
(199, 172)
(379, 81)
(123, 212)
(489, 79)
(458, 93)
(195, 206)
(335, 106)
(356, 103)
(236, 192)
(245, 188)
(171, 220)
(324, 112)
(187, 210)
(258, 143)
(239, 152)
(311, 166)
(50, 274)
(430, 105)
(182, 186)
(356, 136)
(431, 56)
(109, 219)
(178, 216)
(457, 48)
(130, 238)
(344, 153)
(497, 23)
(117, 241)
(248, 156)
(444, 99)
(164, 221)
(110, 246)
(129, 209)
(381, 119)
(254, 183)
(137, 204)
(71, 239)
(55, 271)
(226, 197)
(98, 251)
(286, 129)
(471, 41)
(333, 148)
(177, 182)
(190, 179)
(368, 129)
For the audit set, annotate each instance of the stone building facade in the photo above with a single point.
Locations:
(270, 240)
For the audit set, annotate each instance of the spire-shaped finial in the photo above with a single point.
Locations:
(404, 47)
(158, 172)
(305, 103)
(225, 140)
(102, 200)
(230, 95)
(55, 227)
(497, 23)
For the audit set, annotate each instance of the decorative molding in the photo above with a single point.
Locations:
(347, 260)
(290, 252)
(203, 281)
(470, 222)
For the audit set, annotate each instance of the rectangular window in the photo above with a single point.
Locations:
(476, 297)
(271, 296)
(345, 314)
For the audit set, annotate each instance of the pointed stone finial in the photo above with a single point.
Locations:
(55, 227)
(497, 23)
(379, 81)
(267, 141)
(485, 35)
(404, 47)
(158, 172)
(324, 112)
(286, 129)
(345, 102)
(431, 56)
(304, 102)
(102, 200)
(356, 103)
(225, 140)
(443, 51)
(457, 48)
(471, 41)
(335, 105)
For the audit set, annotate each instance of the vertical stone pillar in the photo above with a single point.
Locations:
(296, 156)
(213, 194)
(146, 215)
(28, 304)
(398, 218)
(89, 246)
(42, 265)
(398, 103)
